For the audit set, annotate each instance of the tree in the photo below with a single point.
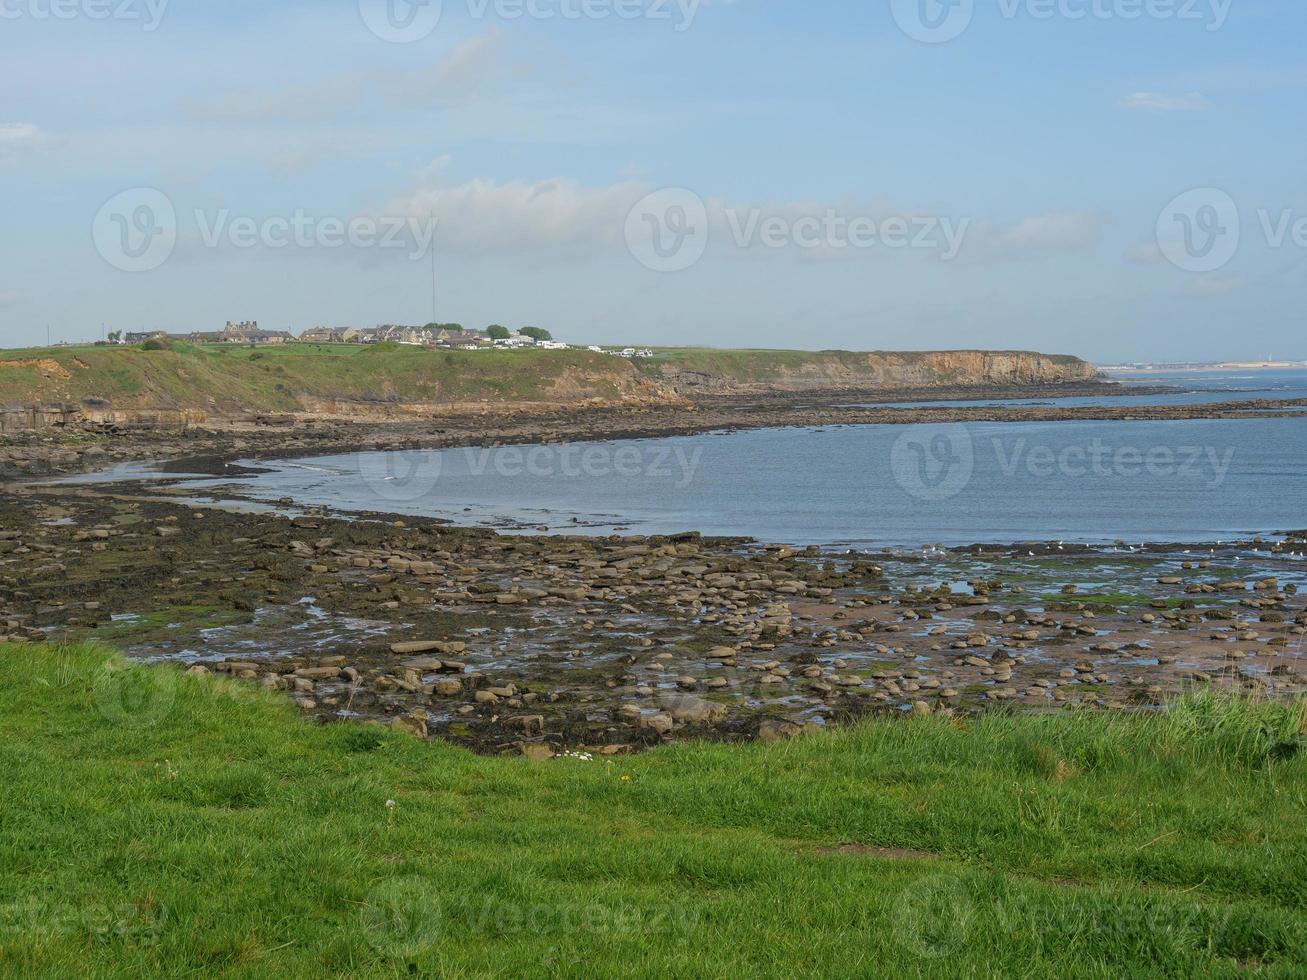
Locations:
(115, 336)
(537, 334)
(496, 332)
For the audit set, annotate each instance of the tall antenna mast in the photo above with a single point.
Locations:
(432, 247)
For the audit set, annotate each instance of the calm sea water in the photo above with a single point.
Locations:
(1094, 482)
(1191, 388)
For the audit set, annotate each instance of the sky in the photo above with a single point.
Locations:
(1117, 179)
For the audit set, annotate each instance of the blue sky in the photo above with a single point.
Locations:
(1035, 160)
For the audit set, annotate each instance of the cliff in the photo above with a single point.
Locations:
(731, 372)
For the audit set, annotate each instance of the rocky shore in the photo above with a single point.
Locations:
(546, 644)
(77, 448)
(550, 643)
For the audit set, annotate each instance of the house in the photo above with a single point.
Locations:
(329, 335)
(392, 333)
(140, 338)
(515, 340)
(465, 341)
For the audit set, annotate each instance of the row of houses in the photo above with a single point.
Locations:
(451, 337)
(246, 332)
(431, 336)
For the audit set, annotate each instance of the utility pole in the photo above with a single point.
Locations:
(432, 246)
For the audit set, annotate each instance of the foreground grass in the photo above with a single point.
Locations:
(160, 825)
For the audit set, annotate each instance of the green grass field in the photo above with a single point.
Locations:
(235, 378)
(155, 824)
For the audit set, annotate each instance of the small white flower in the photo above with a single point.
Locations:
(390, 804)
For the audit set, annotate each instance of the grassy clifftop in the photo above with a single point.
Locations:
(308, 377)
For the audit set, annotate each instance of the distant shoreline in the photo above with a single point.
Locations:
(1196, 368)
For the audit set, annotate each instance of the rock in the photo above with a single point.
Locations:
(697, 711)
(449, 688)
(662, 724)
(318, 673)
(775, 731)
(414, 724)
(428, 646)
(537, 752)
(920, 709)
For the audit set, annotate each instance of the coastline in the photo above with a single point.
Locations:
(82, 448)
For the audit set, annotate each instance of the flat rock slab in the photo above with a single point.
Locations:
(427, 646)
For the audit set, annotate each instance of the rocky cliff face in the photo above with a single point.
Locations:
(888, 370)
(124, 387)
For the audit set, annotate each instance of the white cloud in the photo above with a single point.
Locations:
(1055, 232)
(1158, 102)
(525, 218)
(560, 218)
